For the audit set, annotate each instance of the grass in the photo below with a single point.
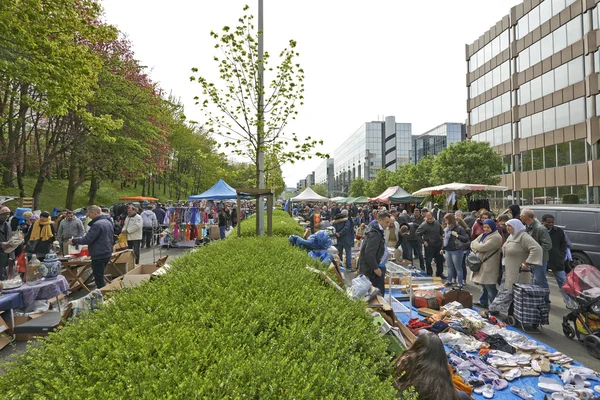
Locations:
(54, 193)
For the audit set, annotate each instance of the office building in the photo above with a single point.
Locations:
(324, 175)
(375, 145)
(301, 185)
(437, 139)
(533, 84)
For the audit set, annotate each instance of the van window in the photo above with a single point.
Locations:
(539, 213)
(578, 221)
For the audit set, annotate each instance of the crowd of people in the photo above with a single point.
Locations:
(491, 251)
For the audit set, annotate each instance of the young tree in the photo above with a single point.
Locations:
(320, 189)
(379, 184)
(358, 187)
(233, 109)
(468, 162)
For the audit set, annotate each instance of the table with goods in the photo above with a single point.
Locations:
(497, 360)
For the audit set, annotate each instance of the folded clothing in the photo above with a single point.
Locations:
(438, 326)
(497, 342)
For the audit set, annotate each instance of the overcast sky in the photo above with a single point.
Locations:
(362, 59)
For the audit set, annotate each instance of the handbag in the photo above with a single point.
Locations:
(462, 296)
(474, 262)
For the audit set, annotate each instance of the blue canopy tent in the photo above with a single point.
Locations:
(220, 191)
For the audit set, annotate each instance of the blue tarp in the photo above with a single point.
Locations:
(220, 191)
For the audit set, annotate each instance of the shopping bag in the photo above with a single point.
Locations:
(21, 262)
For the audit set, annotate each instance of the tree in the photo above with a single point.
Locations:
(412, 177)
(468, 162)
(379, 184)
(320, 189)
(358, 187)
(247, 126)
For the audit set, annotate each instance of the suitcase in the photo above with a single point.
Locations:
(462, 296)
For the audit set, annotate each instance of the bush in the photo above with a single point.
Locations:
(236, 319)
(283, 225)
(570, 199)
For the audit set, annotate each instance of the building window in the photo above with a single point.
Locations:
(507, 165)
(550, 156)
(578, 151)
(563, 154)
(539, 196)
(526, 161)
(581, 191)
(538, 158)
(562, 190)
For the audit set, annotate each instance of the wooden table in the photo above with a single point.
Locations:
(75, 269)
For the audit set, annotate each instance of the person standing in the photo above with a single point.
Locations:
(519, 252)
(477, 228)
(437, 213)
(344, 232)
(5, 236)
(222, 224)
(133, 228)
(558, 252)
(417, 218)
(487, 247)
(372, 252)
(413, 244)
(453, 244)
(471, 218)
(234, 216)
(99, 240)
(391, 233)
(149, 224)
(40, 237)
(69, 227)
(540, 234)
(431, 233)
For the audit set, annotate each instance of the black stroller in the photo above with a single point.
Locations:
(583, 288)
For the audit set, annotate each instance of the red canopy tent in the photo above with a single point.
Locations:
(385, 196)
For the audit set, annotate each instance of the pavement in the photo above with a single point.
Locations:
(552, 334)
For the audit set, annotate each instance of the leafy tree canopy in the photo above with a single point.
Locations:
(468, 162)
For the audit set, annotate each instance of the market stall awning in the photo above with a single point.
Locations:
(402, 196)
(361, 200)
(459, 189)
(337, 199)
(309, 195)
(220, 191)
(349, 200)
(139, 198)
(385, 196)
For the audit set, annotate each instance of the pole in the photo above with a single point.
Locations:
(260, 129)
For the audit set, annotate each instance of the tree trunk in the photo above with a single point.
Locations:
(143, 187)
(94, 186)
(37, 190)
(153, 182)
(165, 183)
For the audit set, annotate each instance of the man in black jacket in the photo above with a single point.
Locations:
(558, 252)
(413, 244)
(371, 261)
(431, 232)
(100, 242)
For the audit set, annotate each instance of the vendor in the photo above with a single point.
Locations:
(424, 367)
(40, 237)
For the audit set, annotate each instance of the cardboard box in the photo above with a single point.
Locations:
(19, 320)
(116, 284)
(214, 233)
(139, 274)
(125, 263)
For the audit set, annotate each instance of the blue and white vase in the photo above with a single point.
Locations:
(51, 266)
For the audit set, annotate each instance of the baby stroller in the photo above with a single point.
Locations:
(583, 288)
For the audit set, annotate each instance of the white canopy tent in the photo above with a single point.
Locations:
(459, 189)
(309, 195)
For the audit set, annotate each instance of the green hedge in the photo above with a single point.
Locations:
(236, 319)
(570, 199)
(283, 225)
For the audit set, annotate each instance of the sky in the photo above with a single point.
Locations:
(363, 59)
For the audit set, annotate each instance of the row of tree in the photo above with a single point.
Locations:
(76, 104)
(466, 162)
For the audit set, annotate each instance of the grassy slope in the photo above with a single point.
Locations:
(54, 193)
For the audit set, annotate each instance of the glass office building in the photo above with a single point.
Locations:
(533, 84)
(324, 175)
(375, 145)
(437, 139)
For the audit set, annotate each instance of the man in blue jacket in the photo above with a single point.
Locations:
(100, 242)
(345, 236)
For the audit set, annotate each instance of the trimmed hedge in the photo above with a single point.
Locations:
(283, 225)
(236, 319)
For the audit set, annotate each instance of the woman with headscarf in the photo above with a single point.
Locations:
(487, 248)
(520, 251)
(40, 237)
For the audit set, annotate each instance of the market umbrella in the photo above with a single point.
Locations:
(139, 198)
(310, 195)
(361, 200)
(220, 191)
(402, 196)
(385, 196)
(458, 188)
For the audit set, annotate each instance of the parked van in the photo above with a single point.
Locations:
(582, 224)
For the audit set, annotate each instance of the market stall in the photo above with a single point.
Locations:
(454, 190)
(309, 195)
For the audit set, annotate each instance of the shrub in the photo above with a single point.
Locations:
(570, 199)
(283, 225)
(236, 319)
